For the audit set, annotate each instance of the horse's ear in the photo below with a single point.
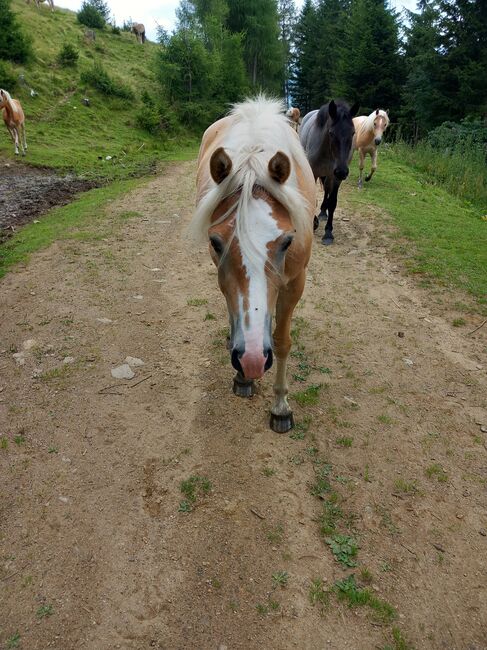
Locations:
(377, 112)
(332, 110)
(220, 165)
(279, 167)
(354, 109)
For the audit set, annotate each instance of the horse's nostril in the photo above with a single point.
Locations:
(341, 174)
(269, 359)
(378, 140)
(236, 354)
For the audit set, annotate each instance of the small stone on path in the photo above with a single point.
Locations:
(123, 372)
(19, 358)
(68, 360)
(133, 362)
(29, 344)
(138, 297)
(105, 321)
(407, 361)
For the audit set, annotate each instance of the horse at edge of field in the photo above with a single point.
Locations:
(139, 30)
(14, 119)
(327, 136)
(255, 202)
(38, 3)
(294, 116)
(369, 131)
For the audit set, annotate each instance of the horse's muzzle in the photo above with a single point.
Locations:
(341, 173)
(378, 141)
(251, 365)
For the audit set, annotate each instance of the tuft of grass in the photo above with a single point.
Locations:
(322, 483)
(19, 439)
(318, 594)
(280, 578)
(398, 640)
(344, 548)
(330, 515)
(13, 641)
(366, 576)
(191, 488)
(209, 316)
(268, 471)
(405, 487)
(348, 590)
(309, 396)
(345, 441)
(459, 322)
(262, 609)
(436, 471)
(384, 419)
(300, 429)
(196, 302)
(45, 611)
(3, 442)
(275, 534)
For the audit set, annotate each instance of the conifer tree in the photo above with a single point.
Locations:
(14, 46)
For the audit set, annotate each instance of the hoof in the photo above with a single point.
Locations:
(360, 185)
(326, 241)
(367, 178)
(282, 423)
(243, 388)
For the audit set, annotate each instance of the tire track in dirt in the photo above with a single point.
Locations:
(90, 500)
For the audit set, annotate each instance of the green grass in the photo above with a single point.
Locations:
(318, 594)
(446, 238)
(13, 641)
(348, 590)
(61, 131)
(66, 222)
(280, 578)
(45, 611)
(308, 397)
(191, 488)
(436, 471)
(344, 548)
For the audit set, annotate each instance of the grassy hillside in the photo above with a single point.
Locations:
(61, 131)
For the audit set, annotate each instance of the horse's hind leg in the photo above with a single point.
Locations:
(281, 413)
(361, 163)
(24, 138)
(15, 137)
(373, 155)
(332, 204)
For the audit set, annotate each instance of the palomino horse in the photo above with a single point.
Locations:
(14, 119)
(139, 30)
(39, 2)
(326, 136)
(368, 136)
(294, 116)
(255, 200)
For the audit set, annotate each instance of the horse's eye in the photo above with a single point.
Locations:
(216, 244)
(286, 243)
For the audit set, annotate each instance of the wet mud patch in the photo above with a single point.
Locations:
(27, 192)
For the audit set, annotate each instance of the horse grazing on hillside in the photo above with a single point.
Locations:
(255, 201)
(368, 136)
(39, 2)
(14, 119)
(139, 30)
(294, 116)
(326, 135)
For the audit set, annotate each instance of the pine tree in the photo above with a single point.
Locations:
(287, 24)
(305, 42)
(14, 46)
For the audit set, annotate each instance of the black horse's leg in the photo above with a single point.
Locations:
(332, 204)
(324, 205)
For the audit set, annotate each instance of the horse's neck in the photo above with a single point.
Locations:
(365, 134)
(9, 110)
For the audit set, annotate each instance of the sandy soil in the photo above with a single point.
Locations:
(27, 192)
(94, 552)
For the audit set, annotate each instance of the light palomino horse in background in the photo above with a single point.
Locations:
(39, 2)
(14, 119)
(255, 200)
(294, 116)
(139, 30)
(368, 136)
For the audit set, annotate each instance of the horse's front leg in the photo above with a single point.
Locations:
(373, 155)
(361, 163)
(281, 413)
(324, 205)
(15, 138)
(332, 204)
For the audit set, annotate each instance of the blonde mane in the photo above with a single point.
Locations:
(259, 130)
(8, 95)
(368, 123)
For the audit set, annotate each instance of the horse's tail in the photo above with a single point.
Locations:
(143, 36)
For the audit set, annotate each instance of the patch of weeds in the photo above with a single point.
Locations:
(215, 583)
(274, 605)
(3, 443)
(19, 439)
(280, 578)
(309, 396)
(13, 641)
(312, 451)
(55, 373)
(196, 302)
(345, 441)
(348, 590)
(322, 484)
(344, 548)
(233, 606)
(405, 487)
(45, 611)
(366, 576)
(436, 471)
(399, 642)
(385, 419)
(191, 488)
(52, 450)
(300, 429)
(367, 478)
(318, 594)
(275, 534)
(324, 370)
(262, 609)
(28, 580)
(268, 471)
(459, 322)
(209, 316)
(385, 567)
(330, 516)
(386, 520)
(296, 460)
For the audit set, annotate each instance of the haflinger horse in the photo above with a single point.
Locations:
(139, 30)
(369, 131)
(255, 200)
(14, 119)
(294, 116)
(326, 135)
(39, 2)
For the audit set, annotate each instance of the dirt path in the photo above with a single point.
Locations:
(93, 550)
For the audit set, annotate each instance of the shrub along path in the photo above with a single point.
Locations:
(162, 512)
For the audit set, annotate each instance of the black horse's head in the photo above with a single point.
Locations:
(337, 119)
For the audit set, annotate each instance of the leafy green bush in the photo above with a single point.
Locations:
(14, 45)
(454, 137)
(7, 78)
(156, 117)
(90, 16)
(116, 30)
(97, 77)
(68, 56)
